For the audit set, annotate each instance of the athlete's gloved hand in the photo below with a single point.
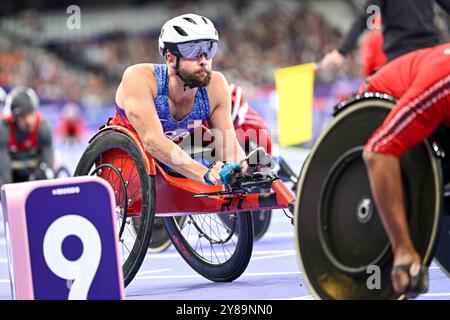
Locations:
(222, 173)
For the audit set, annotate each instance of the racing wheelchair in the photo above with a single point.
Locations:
(41, 172)
(339, 236)
(145, 189)
(160, 240)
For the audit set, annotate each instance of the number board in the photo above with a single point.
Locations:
(71, 240)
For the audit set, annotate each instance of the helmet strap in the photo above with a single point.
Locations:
(177, 71)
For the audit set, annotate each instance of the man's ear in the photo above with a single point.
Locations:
(171, 59)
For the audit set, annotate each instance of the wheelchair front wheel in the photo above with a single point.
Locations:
(118, 155)
(217, 251)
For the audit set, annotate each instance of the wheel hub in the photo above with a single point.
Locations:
(364, 211)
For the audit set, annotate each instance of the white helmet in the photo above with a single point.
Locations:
(186, 28)
(21, 99)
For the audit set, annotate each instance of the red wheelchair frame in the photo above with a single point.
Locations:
(117, 154)
(192, 197)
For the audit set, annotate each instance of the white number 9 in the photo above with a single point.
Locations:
(81, 271)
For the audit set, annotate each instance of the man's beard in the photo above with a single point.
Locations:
(192, 80)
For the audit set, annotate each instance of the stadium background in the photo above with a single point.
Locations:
(84, 66)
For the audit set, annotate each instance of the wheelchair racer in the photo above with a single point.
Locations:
(420, 80)
(153, 99)
(26, 151)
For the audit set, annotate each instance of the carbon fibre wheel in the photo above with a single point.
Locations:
(114, 157)
(339, 235)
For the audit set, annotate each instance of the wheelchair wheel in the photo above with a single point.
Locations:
(339, 236)
(160, 240)
(216, 251)
(41, 172)
(441, 142)
(261, 221)
(62, 172)
(114, 157)
(442, 254)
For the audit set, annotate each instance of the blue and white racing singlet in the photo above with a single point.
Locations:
(171, 126)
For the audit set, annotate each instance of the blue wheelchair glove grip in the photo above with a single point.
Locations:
(228, 171)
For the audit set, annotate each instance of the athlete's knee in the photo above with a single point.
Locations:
(369, 157)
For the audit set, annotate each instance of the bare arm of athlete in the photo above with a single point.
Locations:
(138, 101)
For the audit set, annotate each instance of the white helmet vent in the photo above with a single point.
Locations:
(190, 20)
(180, 31)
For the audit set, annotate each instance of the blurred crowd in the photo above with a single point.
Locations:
(252, 46)
(49, 75)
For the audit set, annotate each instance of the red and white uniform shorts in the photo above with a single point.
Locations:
(420, 81)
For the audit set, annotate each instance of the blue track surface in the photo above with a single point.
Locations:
(273, 272)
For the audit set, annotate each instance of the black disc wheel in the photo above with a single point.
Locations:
(114, 157)
(442, 254)
(340, 239)
(261, 222)
(62, 172)
(160, 240)
(217, 251)
(441, 143)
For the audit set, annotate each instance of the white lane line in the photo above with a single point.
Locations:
(274, 251)
(309, 297)
(220, 254)
(162, 256)
(441, 294)
(137, 277)
(273, 256)
(168, 277)
(269, 235)
(263, 254)
(192, 276)
(277, 235)
(152, 271)
(253, 274)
